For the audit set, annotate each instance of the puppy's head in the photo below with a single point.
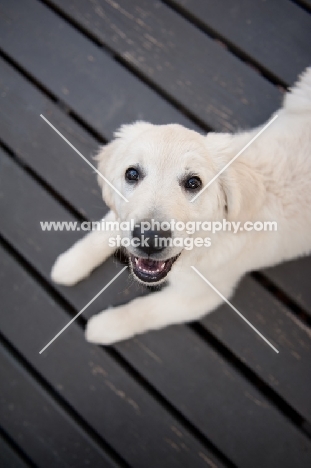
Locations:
(159, 169)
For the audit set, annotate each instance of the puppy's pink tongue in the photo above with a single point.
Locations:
(149, 264)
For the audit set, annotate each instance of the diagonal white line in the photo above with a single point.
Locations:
(235, 310)
(84, 158)
(235, 157)
(82, 310)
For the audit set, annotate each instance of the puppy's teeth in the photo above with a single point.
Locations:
(136, 260)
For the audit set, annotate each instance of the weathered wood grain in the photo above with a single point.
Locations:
(43, 430)
(274, 34)
(294, 278)
(80, 74)
(184, 63)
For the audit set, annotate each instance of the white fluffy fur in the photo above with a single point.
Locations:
(271, 180)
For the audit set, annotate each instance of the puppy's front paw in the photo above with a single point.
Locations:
(68, 269)
(108, 327)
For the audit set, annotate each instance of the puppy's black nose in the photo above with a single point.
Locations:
(151, 241)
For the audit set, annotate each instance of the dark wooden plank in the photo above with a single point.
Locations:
(9, 458)
(41, 149)
(193, 69)
(275, 34)
(205, 387)
(94, 385)
(294, 278)
(30, 146)
(46, 434)
(78, 72)
(289, 374)
(197, 380)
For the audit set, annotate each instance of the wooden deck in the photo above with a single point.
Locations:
(210, 394)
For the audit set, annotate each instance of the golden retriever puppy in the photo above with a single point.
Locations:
(161, 172)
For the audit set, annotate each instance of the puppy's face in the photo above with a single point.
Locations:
(159, 169)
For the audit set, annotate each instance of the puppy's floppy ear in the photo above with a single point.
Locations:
(110, 155)
(243, 189)
(242, 185)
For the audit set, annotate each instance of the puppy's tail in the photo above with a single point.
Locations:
(298, 99)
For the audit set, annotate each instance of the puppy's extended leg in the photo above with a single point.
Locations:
(85, 255)
(151, 312)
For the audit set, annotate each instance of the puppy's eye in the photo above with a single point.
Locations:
(132, 175)
(193, 183)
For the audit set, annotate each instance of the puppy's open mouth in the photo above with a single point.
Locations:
(148, 270)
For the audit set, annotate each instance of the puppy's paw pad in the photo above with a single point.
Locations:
(67, 270)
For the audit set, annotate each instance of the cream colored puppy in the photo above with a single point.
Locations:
(159, 169)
